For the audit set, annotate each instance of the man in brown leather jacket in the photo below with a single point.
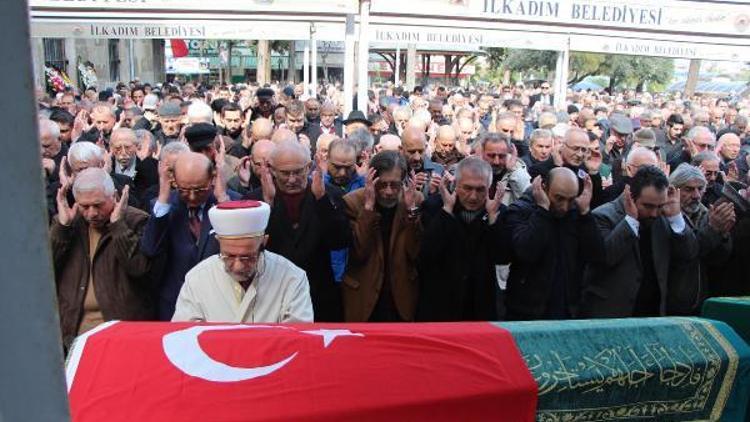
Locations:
(100, 273)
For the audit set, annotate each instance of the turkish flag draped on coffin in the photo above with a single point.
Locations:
(212, 372)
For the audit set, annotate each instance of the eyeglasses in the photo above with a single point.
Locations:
(288, 174)
(243, 259)
(196, 191)
(545, 87)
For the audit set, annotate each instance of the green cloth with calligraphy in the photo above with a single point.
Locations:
(735, 311)
(658, 369)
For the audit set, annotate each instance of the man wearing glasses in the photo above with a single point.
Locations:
(178, 229)
(244, 282)
(574, 152)
(545, 97)
(697, 140)
(306, 222)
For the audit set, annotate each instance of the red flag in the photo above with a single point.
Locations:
(322, 372)
(179, 48)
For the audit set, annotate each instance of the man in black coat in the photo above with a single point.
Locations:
(133, 160)
(307, 222)
(575, 153)
(552, 235)
(645, 239)
(83, 155)
(460, 248)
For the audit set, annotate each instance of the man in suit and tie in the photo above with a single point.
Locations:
(645, 238)
(178, 229)
(544, 98)
(327, 124)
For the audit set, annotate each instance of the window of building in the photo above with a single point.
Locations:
(54, 52)
(114, 60)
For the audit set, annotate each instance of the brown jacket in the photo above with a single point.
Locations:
(120, 271)
(363, 280)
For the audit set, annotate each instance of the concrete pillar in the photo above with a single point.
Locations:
(363, 55)
(31, 360)
(263, 71)
(411, 64)
(306, 67)
(96, 51)
(397, 70)
(72, 58)
(349, 65)
(159, 62)
(291, 75)
(140, 61)
(692, 78)
(123, 67)
(313, 62)
(37, 55)
(561, 78)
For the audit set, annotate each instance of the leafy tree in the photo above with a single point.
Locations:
(531, 60)
(632, 71)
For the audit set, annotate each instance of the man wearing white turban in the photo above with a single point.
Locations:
(244, 282)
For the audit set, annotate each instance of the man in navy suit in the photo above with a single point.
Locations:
(178, 229)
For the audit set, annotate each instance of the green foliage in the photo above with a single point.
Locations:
(635, 71)
(495, 56)
(531, 61)
(583, 65)
(622, 71)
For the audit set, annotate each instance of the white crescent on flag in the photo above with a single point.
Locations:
(184, 351)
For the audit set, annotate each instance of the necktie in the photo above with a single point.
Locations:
(195, 223)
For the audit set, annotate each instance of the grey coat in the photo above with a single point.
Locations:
(714, 249)
(610, 289)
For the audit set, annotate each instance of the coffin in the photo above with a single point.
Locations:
(660, 369)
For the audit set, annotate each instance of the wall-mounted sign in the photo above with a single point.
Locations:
(186, 29)
(276, 6)
(462, 38)
(654, 48)
(683, 16)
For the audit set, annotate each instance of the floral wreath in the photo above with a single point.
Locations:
(87, 74)
(57, 80)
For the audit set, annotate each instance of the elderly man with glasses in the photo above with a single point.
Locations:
(574, 152)
(698, 139)
(244, 282)
(307, 221)
(178, 229)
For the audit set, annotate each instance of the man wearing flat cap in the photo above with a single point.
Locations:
(620, 130)
(200, 137)
(203, 139)
(244, 282)
(356, 120)
(265, 104)
(170, 123)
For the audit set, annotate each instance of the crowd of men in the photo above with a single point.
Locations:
(432, 205)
